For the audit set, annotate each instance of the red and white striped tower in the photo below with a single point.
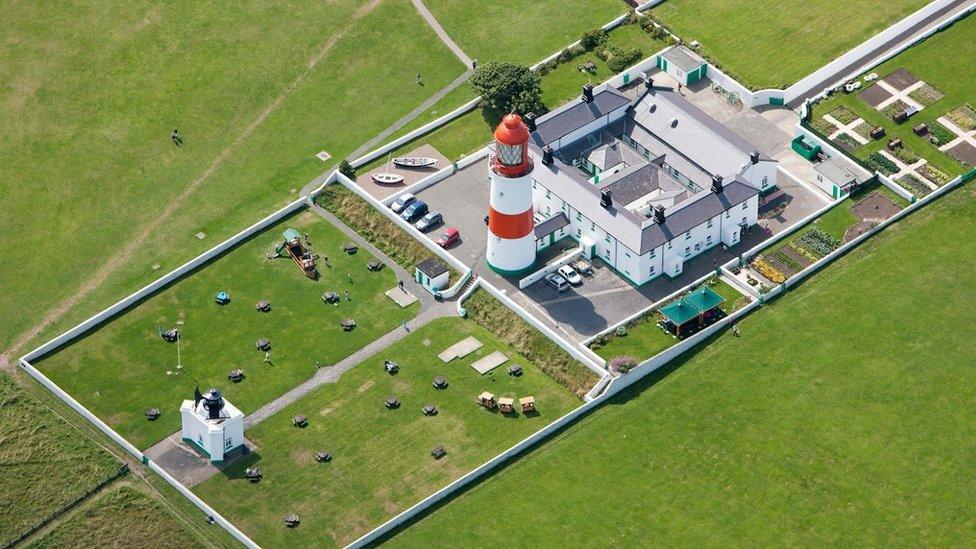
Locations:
(511, 236)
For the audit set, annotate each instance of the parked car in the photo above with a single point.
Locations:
(402, 202)
(570, 275)
(450, 236)
(417, 208)
(557, 281)
(429, 221)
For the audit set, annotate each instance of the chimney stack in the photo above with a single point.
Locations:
(529, 120)
(547, 155)
(587, 93)
(605, 199)
(659, 214)
(717, 184)
(754, 157)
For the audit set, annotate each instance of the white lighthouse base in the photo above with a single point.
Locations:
(214, 438)
(511, 257)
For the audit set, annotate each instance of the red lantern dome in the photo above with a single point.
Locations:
(512, 147)
(511, 130)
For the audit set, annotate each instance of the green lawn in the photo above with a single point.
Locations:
(645, 339)
(524, 31)
(772, 44)
(842, 416)
(255, 88)
(927, 62)
(127, 357)
(122, 517)
(45, 463)
(381, 463)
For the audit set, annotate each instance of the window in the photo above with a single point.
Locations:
(228, 442)
(578, 232)
(708, 240)
(688, 235)
(548, 195)
(697, 246)
(726, 214)
(627, 255)
(579, 216)
(669, 244)
(653, 253)
(533, 183)
(745, 206)
(709, 225)
(677, 268)
(765, 180)
(501, 194)
(652, 270)
(744, 221)
(687, 251)
(607, 239)
(606, 253)
(548, 210)
(592, 227)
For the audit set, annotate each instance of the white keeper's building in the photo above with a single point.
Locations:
(212, 425)
(645, 184)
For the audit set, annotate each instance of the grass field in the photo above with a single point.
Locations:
(772, 44)
(381, 462)
(927, 61)
(127, 357)
(523, 31)
(842, 416)
(45, 463)
(122, 516)
(255, 88)
(645, 339)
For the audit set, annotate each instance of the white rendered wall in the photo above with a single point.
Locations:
(754, 174)
(511, 196)
(511, 254)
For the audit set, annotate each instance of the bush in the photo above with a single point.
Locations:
(621, 331)
(508, 87)
(622, 364)
(618, 58)
(346, 169)
(593, 38)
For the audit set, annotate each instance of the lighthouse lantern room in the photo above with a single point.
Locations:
(511, 238)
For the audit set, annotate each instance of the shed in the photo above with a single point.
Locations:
(834, 178)
(682, 64)
(696, 306)
(432, 274)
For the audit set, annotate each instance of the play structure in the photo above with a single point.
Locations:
(295, 248)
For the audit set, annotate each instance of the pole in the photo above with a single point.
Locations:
(179, 362)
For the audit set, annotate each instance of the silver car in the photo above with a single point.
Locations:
(429, 221)
(557, 282)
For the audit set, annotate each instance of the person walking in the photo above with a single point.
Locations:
(267, 357)
(307, 241)
(735, 330)
(400, 284)
(420, 81)
(175, 136)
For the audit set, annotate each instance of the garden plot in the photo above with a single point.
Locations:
(942, 131)
(125, 367)
(381, 459)
(842, 223)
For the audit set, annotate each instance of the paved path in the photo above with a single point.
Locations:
(441, 33)
(869, 58)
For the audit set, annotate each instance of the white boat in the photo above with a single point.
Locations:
(386, 178)
(414, 161)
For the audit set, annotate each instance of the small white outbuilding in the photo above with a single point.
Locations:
(212, 425)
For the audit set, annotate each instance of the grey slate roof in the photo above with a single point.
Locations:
(550, 225)
(432, 267)
(699, 137)
(703, 206)
(683, 58)
(576, 114)
(635, 182)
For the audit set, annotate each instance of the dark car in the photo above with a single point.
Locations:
(429, 221)
(450, 236)
(416, 209)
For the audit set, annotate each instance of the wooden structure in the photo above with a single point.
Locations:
(440, 382)
(487, 400)
(299, 421)
(506, 405)
(263, 306)
(527, 403)
(515, 370)
(438, 452)
(302, 256)
(292, 521)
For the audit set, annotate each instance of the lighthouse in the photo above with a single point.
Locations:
(511, 236)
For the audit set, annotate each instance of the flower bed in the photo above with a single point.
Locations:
(768, 271)
(824, 127)
(913, 184)
(933, 174)
(926, 95)
(843, 115)
(847, 142)
(817, 242)
(964, 116)
(881, 163)
(891, 110)
(906, 155)
(941, 133)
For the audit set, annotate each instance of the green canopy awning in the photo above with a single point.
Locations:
(679, 312)
(292, 234)
(704, 299)
(692, 305)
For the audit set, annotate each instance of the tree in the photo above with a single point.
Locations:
(508, 87)
(346, 169)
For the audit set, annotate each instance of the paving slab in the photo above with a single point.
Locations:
(402, 298)
(490, 362)
(460, 349)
